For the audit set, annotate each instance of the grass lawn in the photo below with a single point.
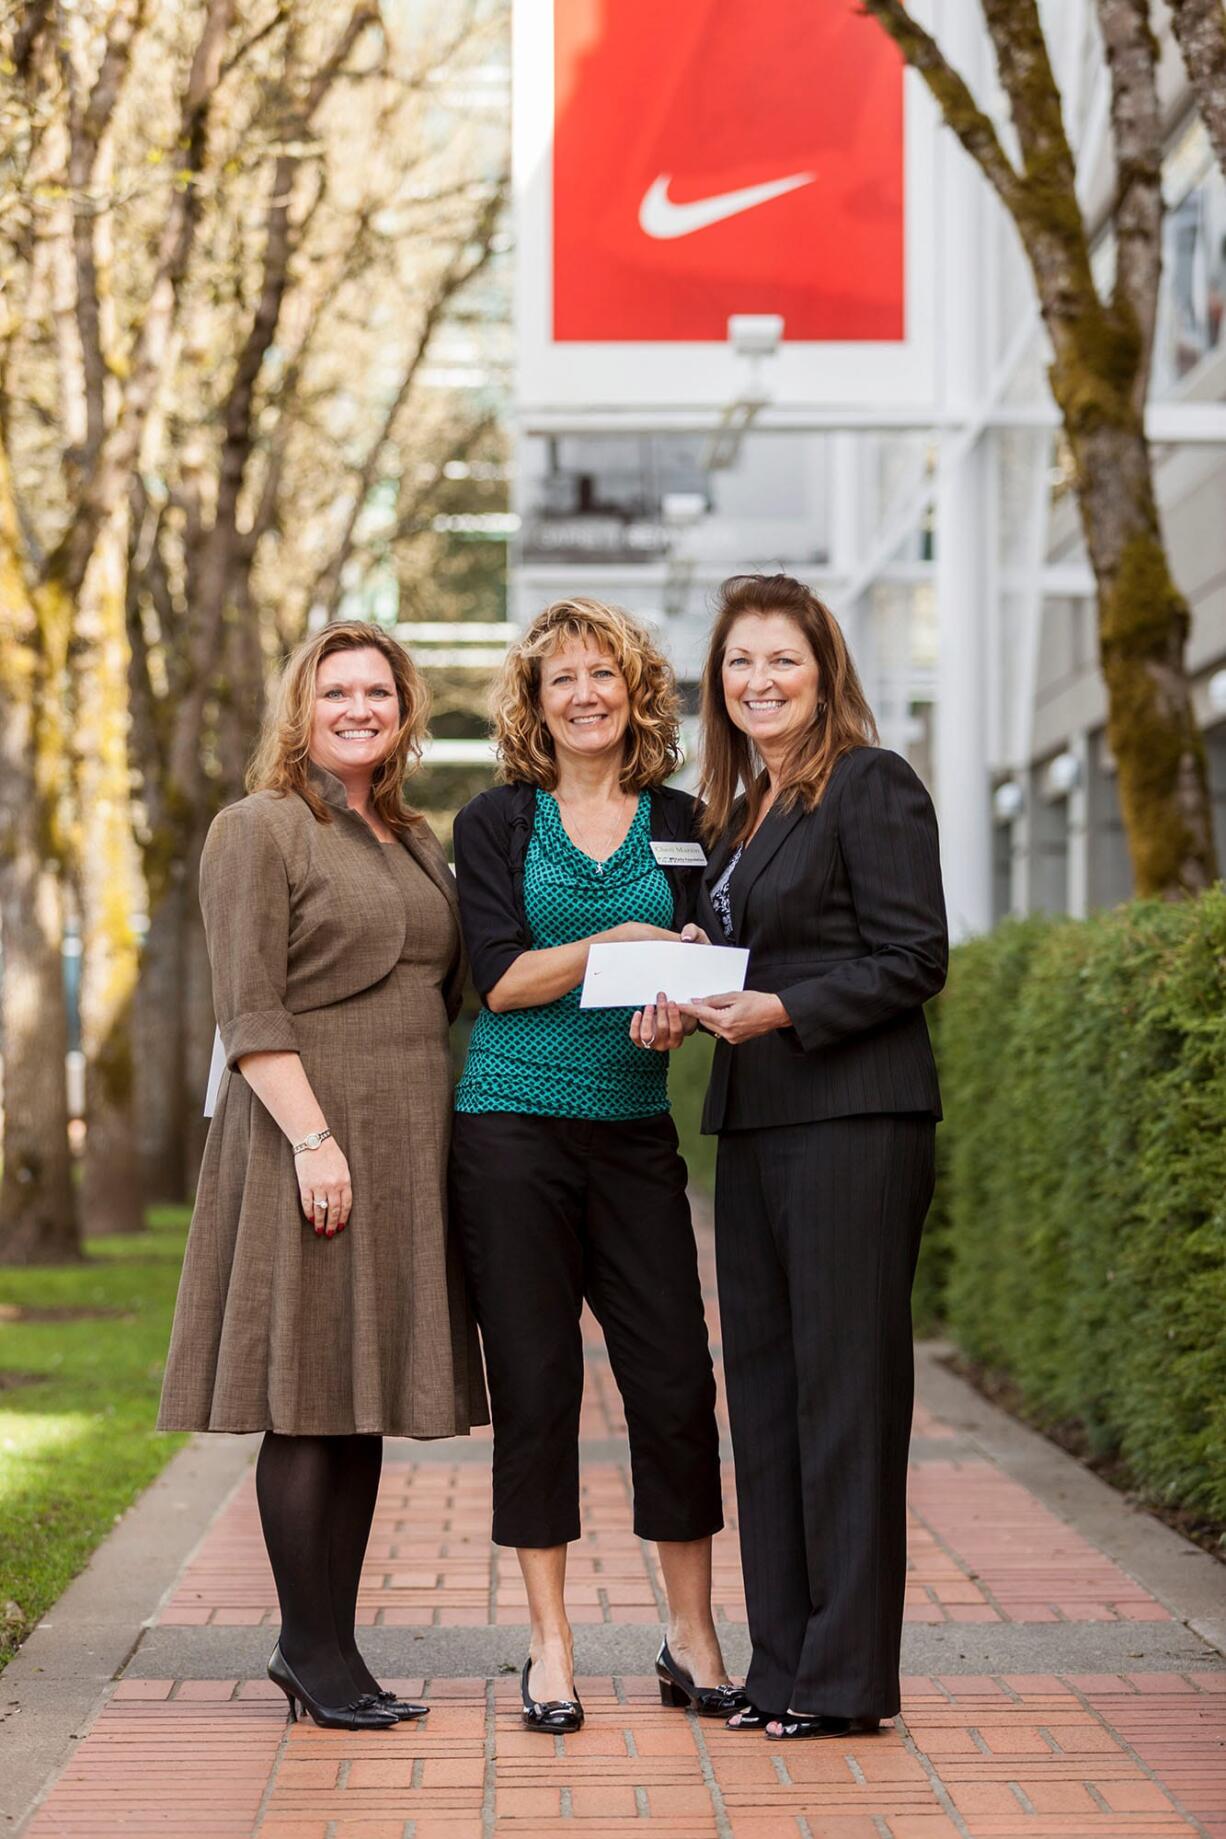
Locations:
(81, 1353)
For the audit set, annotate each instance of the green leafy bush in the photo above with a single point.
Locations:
(1081, 1224)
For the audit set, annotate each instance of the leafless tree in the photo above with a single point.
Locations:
(229, 243)
(1099, 373)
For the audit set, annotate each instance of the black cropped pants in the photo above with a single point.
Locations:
(817, 1230)
(551, 1211)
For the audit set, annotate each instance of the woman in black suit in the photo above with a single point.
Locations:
(824, 1096)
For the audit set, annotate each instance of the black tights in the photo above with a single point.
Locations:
(317, 1501)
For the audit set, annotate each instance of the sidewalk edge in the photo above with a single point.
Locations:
(53, 1688)
(1190, 1582)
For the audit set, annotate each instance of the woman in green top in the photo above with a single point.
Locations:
(566, 1180)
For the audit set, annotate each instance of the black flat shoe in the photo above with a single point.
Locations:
(750, 1718)
(678, 1689)
(556, 1716)
(360, 1714)
(401, 1709)
(795, 1724)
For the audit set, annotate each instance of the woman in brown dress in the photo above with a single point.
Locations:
(321, 1301)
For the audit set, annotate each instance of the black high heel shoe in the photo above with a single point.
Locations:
(402, 1709)
(799, 1725)
(750, 1717)
(360, 1714)
(678, 1690)
(556, 1716)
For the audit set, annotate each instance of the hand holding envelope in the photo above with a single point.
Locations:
(705, 984)
(626, 976)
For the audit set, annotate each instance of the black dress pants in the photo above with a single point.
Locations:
(551, 1210)
(817, 1230)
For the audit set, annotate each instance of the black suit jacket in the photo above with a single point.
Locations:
(491, 839)
(843, 913)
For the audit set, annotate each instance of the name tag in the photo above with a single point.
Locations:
(679, 855)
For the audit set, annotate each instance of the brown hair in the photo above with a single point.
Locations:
(730, 763)
(281, 762)
(525, 746)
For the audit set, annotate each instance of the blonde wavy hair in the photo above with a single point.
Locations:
(731, 766)
(281, 762)
(525, 746)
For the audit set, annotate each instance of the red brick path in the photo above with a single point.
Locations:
(1031, 1757)
(1017, 1757)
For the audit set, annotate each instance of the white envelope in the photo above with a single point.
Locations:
(627, 976)
(217, 1067)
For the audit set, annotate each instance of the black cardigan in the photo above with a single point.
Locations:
(491, 838)
(842, 911)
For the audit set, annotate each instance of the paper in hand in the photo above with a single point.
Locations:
(627, 976)
(217, 1067)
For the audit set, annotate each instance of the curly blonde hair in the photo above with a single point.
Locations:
(281, 762)
(525, 746)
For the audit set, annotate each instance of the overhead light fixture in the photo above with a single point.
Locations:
(755, 335)
(1063, 773)
(1008, 802)
(680, 509)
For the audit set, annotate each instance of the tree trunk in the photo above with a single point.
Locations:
(158, 1061)
(1143, 624)
(1099, 375)
(110, 890)
(198, 1026)
(38, 1215)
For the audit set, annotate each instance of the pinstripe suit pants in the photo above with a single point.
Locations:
(817, 1232)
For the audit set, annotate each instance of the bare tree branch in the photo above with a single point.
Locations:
(116, 457)
(222, 547)
(409, 517)
(458, 273)
(254, 39)
(1136, 123)
(958, 106)
(25, 39)
(88, 122)
(1200, 28)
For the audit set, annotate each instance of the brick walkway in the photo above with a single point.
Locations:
(1097, 1754)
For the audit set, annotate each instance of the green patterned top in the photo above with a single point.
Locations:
(559, 1060)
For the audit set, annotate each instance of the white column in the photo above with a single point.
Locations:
(962, 779)
(1079, 830)
(964, 523)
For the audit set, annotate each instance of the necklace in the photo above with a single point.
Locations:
(604, 847)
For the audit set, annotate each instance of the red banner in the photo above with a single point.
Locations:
(725, 156)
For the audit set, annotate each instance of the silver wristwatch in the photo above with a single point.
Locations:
(313, 1141)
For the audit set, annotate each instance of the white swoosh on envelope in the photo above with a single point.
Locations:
(663, 219)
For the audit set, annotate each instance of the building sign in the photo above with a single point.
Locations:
(713, 157)
(680, 162)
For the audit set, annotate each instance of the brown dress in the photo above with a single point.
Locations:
(324, 941)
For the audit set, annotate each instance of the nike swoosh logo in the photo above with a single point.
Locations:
(661, 218)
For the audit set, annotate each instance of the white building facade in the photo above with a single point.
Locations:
(932, 515)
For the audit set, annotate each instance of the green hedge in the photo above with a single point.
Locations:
(1079, 1240)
